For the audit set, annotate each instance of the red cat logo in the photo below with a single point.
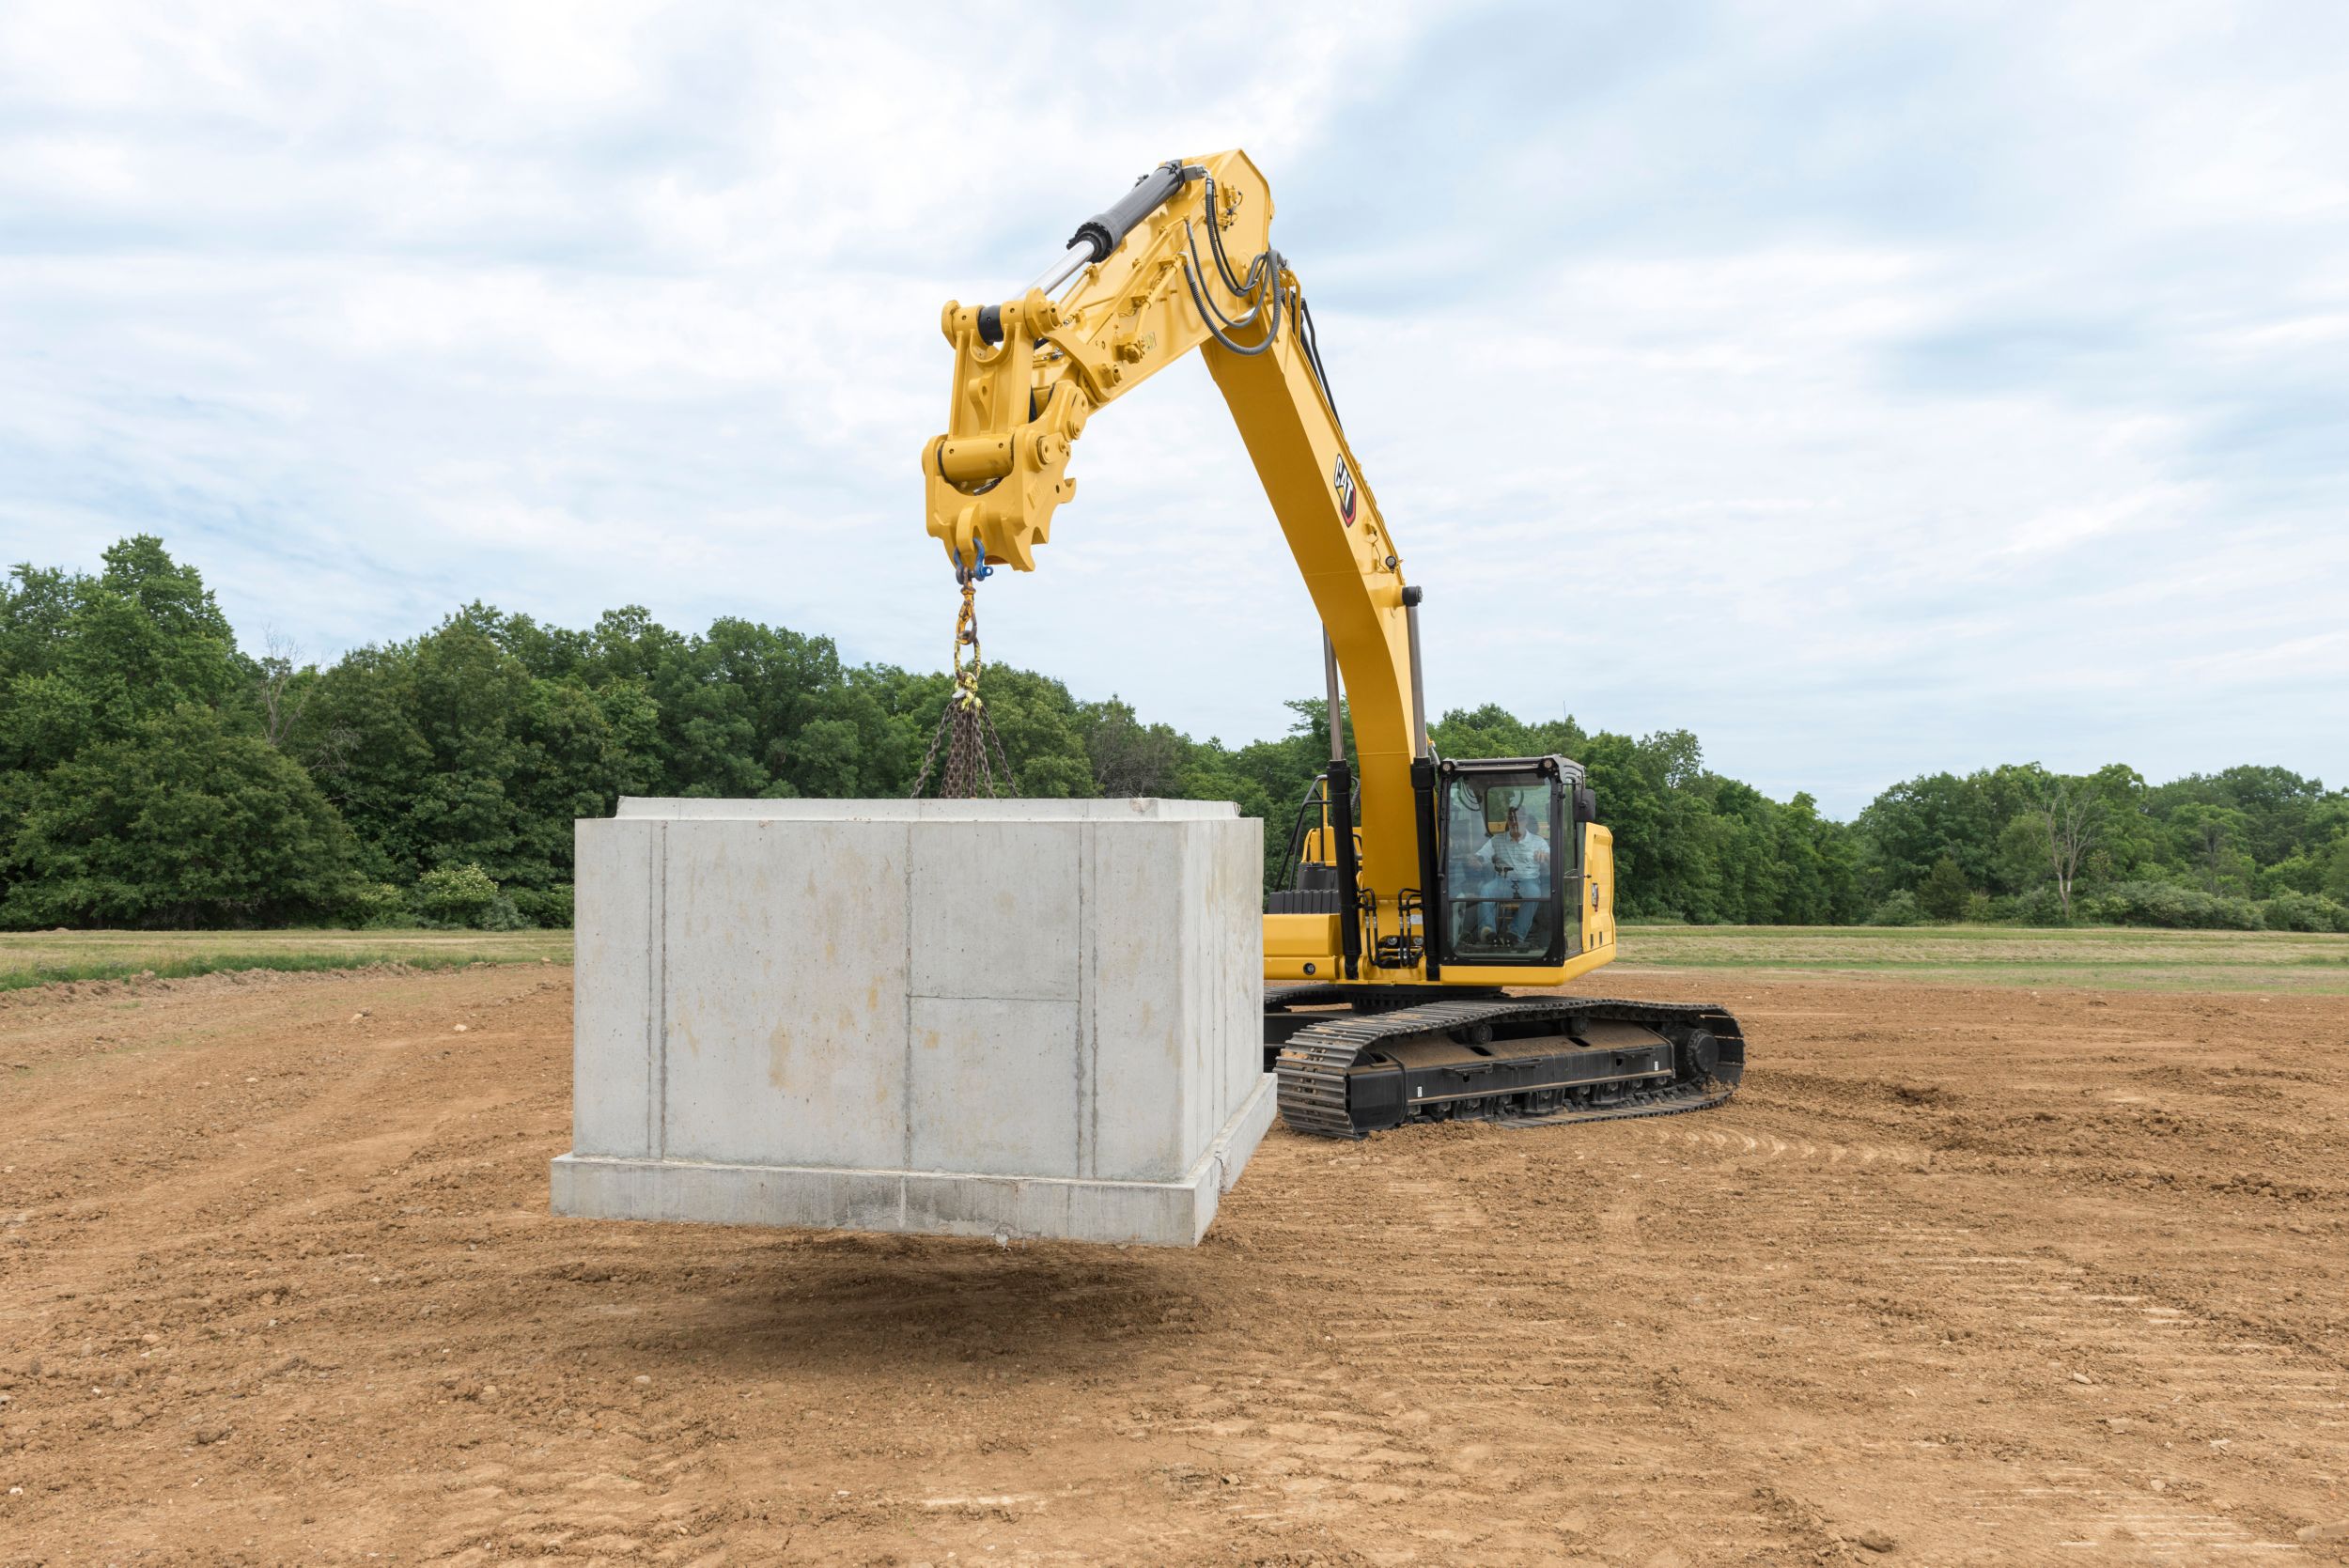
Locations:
(1344, 479)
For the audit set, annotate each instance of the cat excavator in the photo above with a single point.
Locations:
(1425, 894)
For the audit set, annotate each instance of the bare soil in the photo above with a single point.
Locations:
(1963, 1276)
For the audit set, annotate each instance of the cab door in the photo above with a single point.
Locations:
(1509, 868)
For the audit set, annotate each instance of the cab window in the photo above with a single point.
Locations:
(1498, 875)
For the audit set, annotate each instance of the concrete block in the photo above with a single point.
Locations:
(967, 1051)
(616, 959)
(1007, 1017)
(985, 882)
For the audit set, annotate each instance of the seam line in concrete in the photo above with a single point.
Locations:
(905, 1088)
(652, 990)
(1088, 1002)
(660, 1029)
(981, 995)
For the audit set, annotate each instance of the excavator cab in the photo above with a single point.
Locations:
(1508, 856)
(1514, 860)
(1508, 860)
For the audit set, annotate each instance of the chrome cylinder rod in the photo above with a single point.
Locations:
(1337, 717)
(1073, 261)
(1418, 683)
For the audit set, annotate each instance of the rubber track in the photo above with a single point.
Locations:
(1313, 1064)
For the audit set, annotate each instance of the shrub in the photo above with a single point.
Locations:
(501, 915)
(2167, 904)
(2042, 905)
(2301, 911)
(1899, 909)
(457, 895)
(374, 903)
(1943, 894)
(547, 906)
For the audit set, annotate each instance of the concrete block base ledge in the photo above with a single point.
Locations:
(1031, 1019)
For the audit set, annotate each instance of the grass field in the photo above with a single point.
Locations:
(1955, 955)
(2103, 956)
(40, 958)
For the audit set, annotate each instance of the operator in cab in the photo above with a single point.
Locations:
(1516, 862)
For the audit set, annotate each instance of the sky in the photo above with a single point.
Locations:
(1872, 390)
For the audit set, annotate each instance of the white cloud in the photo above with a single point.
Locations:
(1870, 392)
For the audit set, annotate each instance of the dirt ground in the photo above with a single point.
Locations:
(1963, 1276)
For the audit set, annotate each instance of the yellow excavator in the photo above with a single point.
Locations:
(1420, 886)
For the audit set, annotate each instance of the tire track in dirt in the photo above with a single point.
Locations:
(2048, 1315)
(1525, 1392)
(324, 1313)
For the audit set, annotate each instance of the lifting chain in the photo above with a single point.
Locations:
(976, 767)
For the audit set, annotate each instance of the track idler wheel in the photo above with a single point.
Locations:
(1701, 1056)
(1699, 1051)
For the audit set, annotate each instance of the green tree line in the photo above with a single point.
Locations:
(153, 773)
